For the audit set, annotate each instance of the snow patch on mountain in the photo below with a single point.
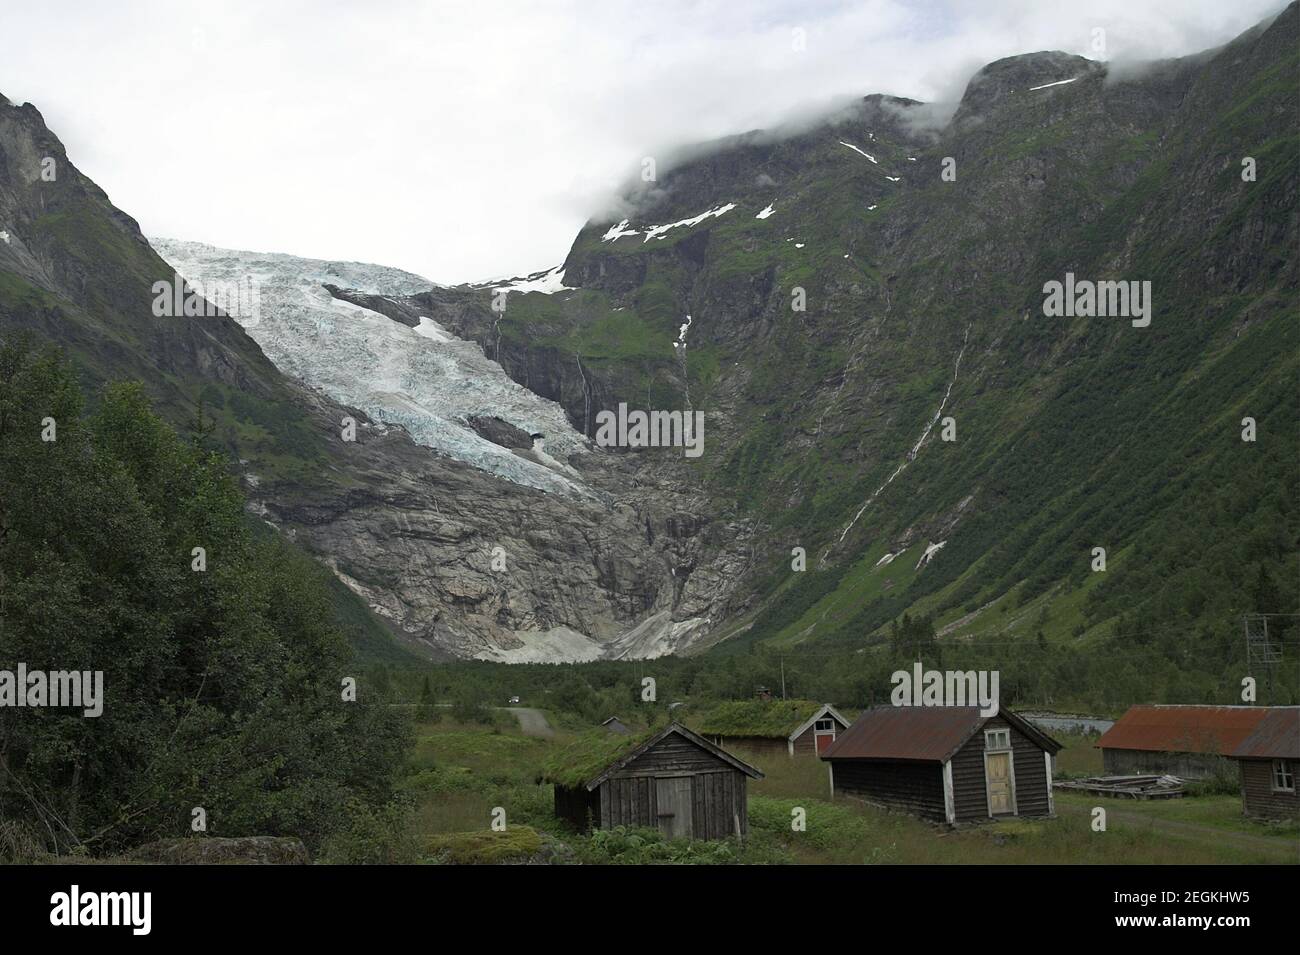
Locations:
(930, 551)
(1057, 83)
(618, 231)
(559, 644)
(422, 379)
(657, 231)
(548, 283)
(681, 333)
(911, 455)
(656, 636)
(859, 151)
(767, 211)
(431, 329)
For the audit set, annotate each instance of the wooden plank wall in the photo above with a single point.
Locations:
(970, 798)
(1134, 762)
(673, 754)
(719, 799)
(806, 743)
(910, 786)
(1257, 795)
(577, 806)
(628, 801)
(719, 793)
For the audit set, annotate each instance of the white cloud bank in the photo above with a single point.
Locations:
(466, 138)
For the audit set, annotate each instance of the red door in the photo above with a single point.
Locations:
(824, 741)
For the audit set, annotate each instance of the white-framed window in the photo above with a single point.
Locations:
(1283, 776)
(824, 726)
(997, 739)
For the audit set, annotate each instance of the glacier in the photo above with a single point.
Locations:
(424, 380)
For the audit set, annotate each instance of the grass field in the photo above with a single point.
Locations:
(460, 773)
(1080, 757)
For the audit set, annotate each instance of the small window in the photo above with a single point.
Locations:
(1283, 776)
(997, 739)
(825, 726)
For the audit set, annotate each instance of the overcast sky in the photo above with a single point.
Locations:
(472, 138)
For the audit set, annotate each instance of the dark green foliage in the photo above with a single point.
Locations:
(624, 846)
(222, 687)
(469, 705)
(914, 638)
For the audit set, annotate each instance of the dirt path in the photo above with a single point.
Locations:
(532, 722)
(1203, 833)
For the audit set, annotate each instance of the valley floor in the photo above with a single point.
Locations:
(460, 773)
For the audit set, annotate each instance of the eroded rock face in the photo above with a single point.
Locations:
(463, 564)
(501, 432)
(471, 516)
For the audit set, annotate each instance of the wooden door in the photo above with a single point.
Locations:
(997, 777)
(673, 806)
(824, 741)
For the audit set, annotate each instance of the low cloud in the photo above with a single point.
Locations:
(463, 139)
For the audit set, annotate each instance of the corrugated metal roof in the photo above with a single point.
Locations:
(1276, 737)
(929, 733)
(1183, 729)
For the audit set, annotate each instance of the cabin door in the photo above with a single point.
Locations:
(673, 806)
(824, 734)
(997, 778)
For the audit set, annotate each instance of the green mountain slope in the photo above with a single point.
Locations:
(926, 292)
(76, 272)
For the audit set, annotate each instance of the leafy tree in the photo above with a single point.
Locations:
(221, 685)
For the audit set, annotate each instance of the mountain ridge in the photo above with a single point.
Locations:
(922, 298)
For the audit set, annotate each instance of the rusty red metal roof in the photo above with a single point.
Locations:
(924, 733)
(1183, 729)
(1276, 737)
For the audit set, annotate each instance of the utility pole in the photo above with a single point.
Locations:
(783, 678)
(1262, 654)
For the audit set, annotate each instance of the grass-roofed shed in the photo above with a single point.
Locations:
(793, 727)
(671, 779)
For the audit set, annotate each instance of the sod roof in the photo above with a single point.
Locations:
(589, 755)
(597, 753)
(773, 718)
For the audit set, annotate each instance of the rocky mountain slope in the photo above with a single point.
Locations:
(455, 558)
(895, 420)
(920, 251)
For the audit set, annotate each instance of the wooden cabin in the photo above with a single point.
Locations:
(672, 779)
(615, 725)
(1269, 759)
(946, 763)
(773, 727)
(1193, 742)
